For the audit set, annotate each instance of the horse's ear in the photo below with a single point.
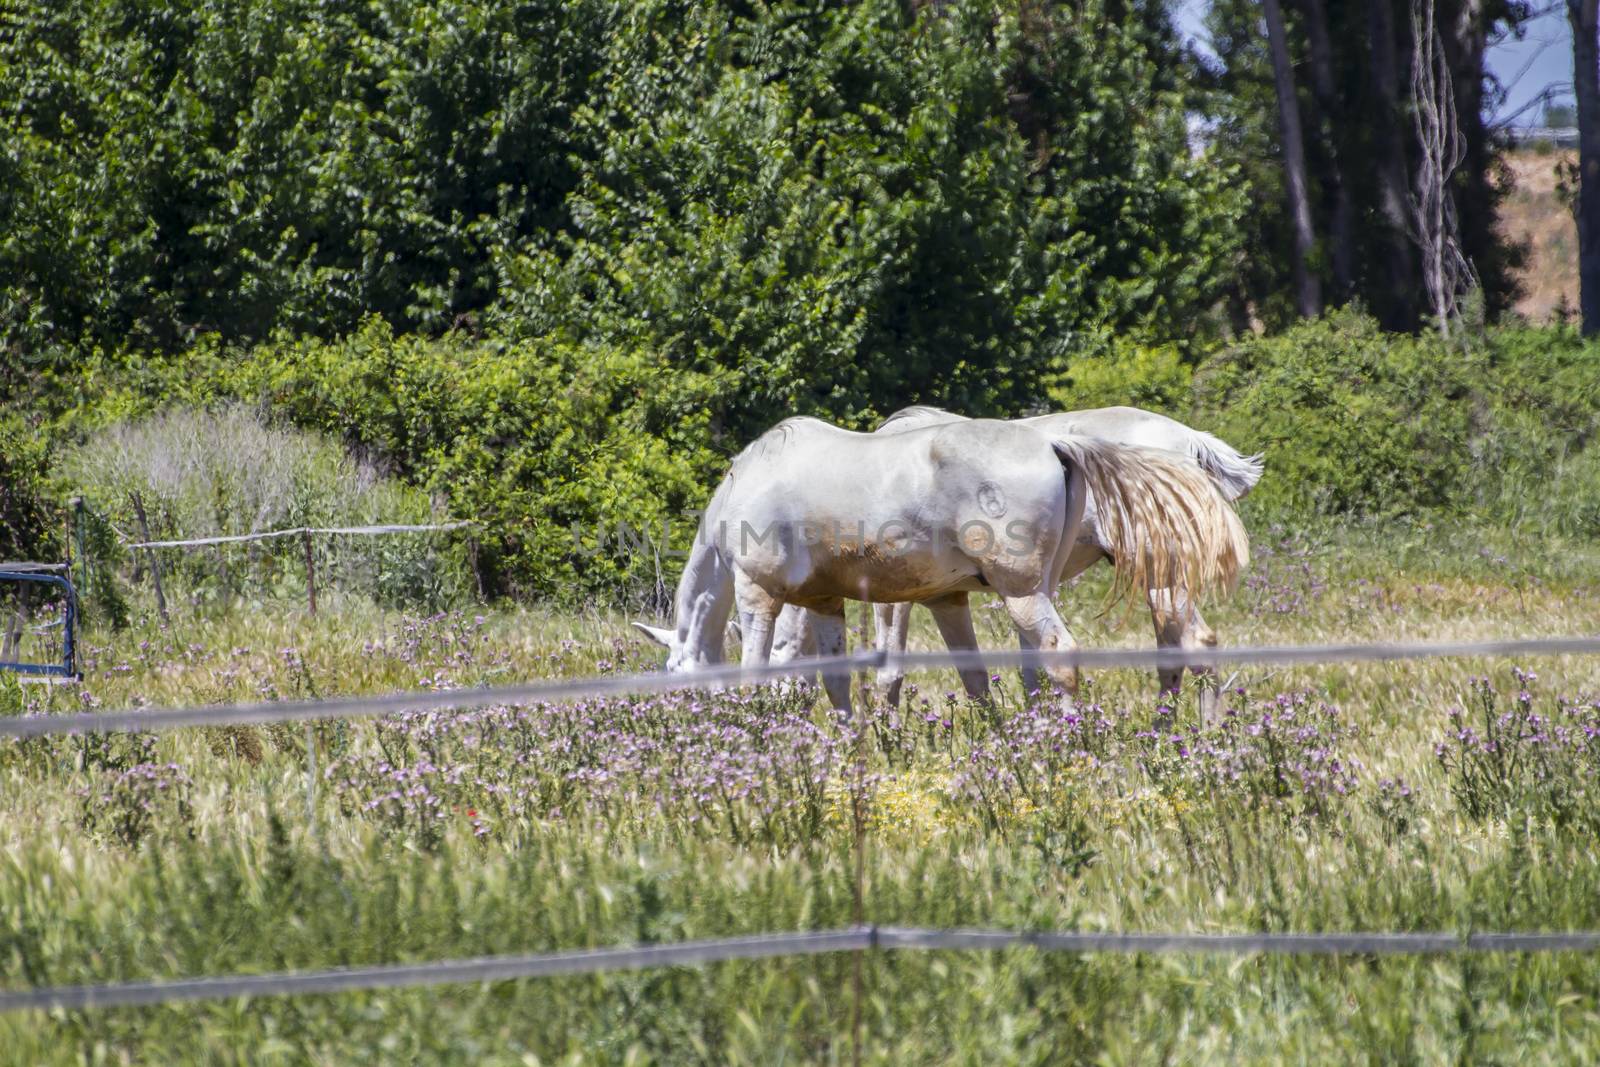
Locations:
(660, 635)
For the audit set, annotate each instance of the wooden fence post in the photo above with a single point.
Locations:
(477, 569)
(155, 560)
(311, 571)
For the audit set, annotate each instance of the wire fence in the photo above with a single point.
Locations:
(768, 946)
(859, 939)
(288, 562)
(733, 674)
(303, 531)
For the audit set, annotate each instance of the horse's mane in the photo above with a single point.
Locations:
(916, 411)
(773, 441)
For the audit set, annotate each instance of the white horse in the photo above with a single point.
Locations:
(810, 515)
(1177, 619)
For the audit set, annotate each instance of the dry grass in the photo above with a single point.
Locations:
(1535, 213)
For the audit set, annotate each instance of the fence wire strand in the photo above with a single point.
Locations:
(301, 531)
(854, 939)
(766, 946)
(734, 674)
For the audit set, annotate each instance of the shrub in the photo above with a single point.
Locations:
(225, 471)
(30, 520)
(1355, 421)
(1147, 376)
(578, 458)
(1351, 419)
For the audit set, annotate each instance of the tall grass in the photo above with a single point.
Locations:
(225, 471)
(229, 869)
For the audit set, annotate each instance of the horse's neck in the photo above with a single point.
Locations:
(704, 600)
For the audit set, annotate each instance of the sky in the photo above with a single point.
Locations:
(1541, 58)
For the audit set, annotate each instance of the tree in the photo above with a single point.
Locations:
(1360, 147)
(842, 209)
(1307, 284)
(1445, 270)
(1396, 310)
(1329, 115)
(1582, 14)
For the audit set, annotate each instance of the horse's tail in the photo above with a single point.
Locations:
(1234, 472)
(1168, 525)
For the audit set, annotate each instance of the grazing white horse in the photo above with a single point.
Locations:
(810, 515)
(1177, 618)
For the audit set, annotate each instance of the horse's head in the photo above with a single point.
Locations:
(681, 656)
(667, 638)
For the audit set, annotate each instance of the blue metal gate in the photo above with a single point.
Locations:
(67, 668)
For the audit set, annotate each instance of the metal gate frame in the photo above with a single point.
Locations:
(67, 668)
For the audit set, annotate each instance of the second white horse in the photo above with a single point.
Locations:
(810, 515)
(1176, 617)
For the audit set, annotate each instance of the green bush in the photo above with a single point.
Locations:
(30, 520)
(244, 164)
(584, 460)
(843, 209)
(1355, 421)
(1126, 372)
(822, 208)
(570, 454)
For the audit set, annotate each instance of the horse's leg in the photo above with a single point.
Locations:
(829, 626)
(794, 638)
(1179, 624)
(758, 616)
(1039, 627)
(954, 618)
(1089, 550)
(892, 626)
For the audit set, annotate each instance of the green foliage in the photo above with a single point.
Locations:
(1352, 125)
(818, 207)
(568, 453)
(1147, 376)
(238, 164)
(834, 210)
(30, 521)
(1355, 421)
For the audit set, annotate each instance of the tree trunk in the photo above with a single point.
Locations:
(1441, 149)
(1465, 27)
(1399, 311)
(1307, 286)
(1584, 15)
(1325, 92)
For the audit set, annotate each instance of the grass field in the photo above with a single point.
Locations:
(1433, 795)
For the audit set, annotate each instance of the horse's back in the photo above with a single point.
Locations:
(815, 510)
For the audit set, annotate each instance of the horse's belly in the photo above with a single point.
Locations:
(872, 575)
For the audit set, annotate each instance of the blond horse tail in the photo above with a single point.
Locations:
(1167, 523)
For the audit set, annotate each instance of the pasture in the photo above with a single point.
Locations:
(1437, 795)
